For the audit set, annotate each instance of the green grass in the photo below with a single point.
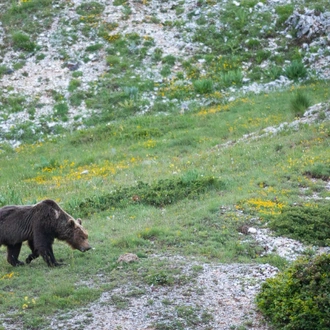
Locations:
(96, 162)
(168, 181)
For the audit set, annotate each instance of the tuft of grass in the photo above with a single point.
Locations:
(299, 104)
(203, 86)
(21, 41)
(90, 8)
(295, 70)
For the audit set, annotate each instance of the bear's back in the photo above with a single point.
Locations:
(11, 221)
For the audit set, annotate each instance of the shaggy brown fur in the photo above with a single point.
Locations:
(39, 224)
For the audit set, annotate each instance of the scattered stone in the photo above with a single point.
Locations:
(252, 230)
(128, 258)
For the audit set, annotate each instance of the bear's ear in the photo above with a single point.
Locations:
(71, 223)
(55, 213)
(79, 221)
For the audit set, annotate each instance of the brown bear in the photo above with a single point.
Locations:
(39, 224)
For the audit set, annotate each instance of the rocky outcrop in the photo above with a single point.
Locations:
(310, 23)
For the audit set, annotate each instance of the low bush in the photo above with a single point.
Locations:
(319, 171)
(299, 298)
(309, 224)
(159, 194)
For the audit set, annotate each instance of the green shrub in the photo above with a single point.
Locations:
(295, 70)
(319, 171)
(300, 104)
(159, 194)
(299, 298)
(309, 224)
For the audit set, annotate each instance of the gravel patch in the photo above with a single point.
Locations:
(220, 297)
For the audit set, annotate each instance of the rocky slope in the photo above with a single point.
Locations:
(32, 80)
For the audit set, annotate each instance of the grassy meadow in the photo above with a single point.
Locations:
(227, 181)
(173, 160)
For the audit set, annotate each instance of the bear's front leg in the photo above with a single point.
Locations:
(13, 253)
(34, 253)
(48, 255)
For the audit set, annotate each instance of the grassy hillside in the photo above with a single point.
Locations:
(174, 166)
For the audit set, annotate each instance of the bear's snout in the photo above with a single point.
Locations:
(85, 248)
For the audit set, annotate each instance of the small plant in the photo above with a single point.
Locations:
(300, 104)
(76, 98)
(73, 85)
(90, 8)
(157, 55)
(61, 110)
(77, 74)
(160, 278)
(299, 297)
(126, 11)
(232, 77)
(94, 48)
(274, 72)
(113, 60)
(22, 41)
(203, 86)
(119, 2)
(165, 71)
(3, 70)
(131, 92)
(169, 59)
(295, 70)
(283, 12)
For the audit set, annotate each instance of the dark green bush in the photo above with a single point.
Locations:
(309, 224)
(319, 171)
(159, 194)
(299, 298)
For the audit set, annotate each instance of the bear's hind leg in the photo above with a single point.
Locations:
(13, 253)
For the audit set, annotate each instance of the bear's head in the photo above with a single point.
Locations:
(65, 227)
(78, 237)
